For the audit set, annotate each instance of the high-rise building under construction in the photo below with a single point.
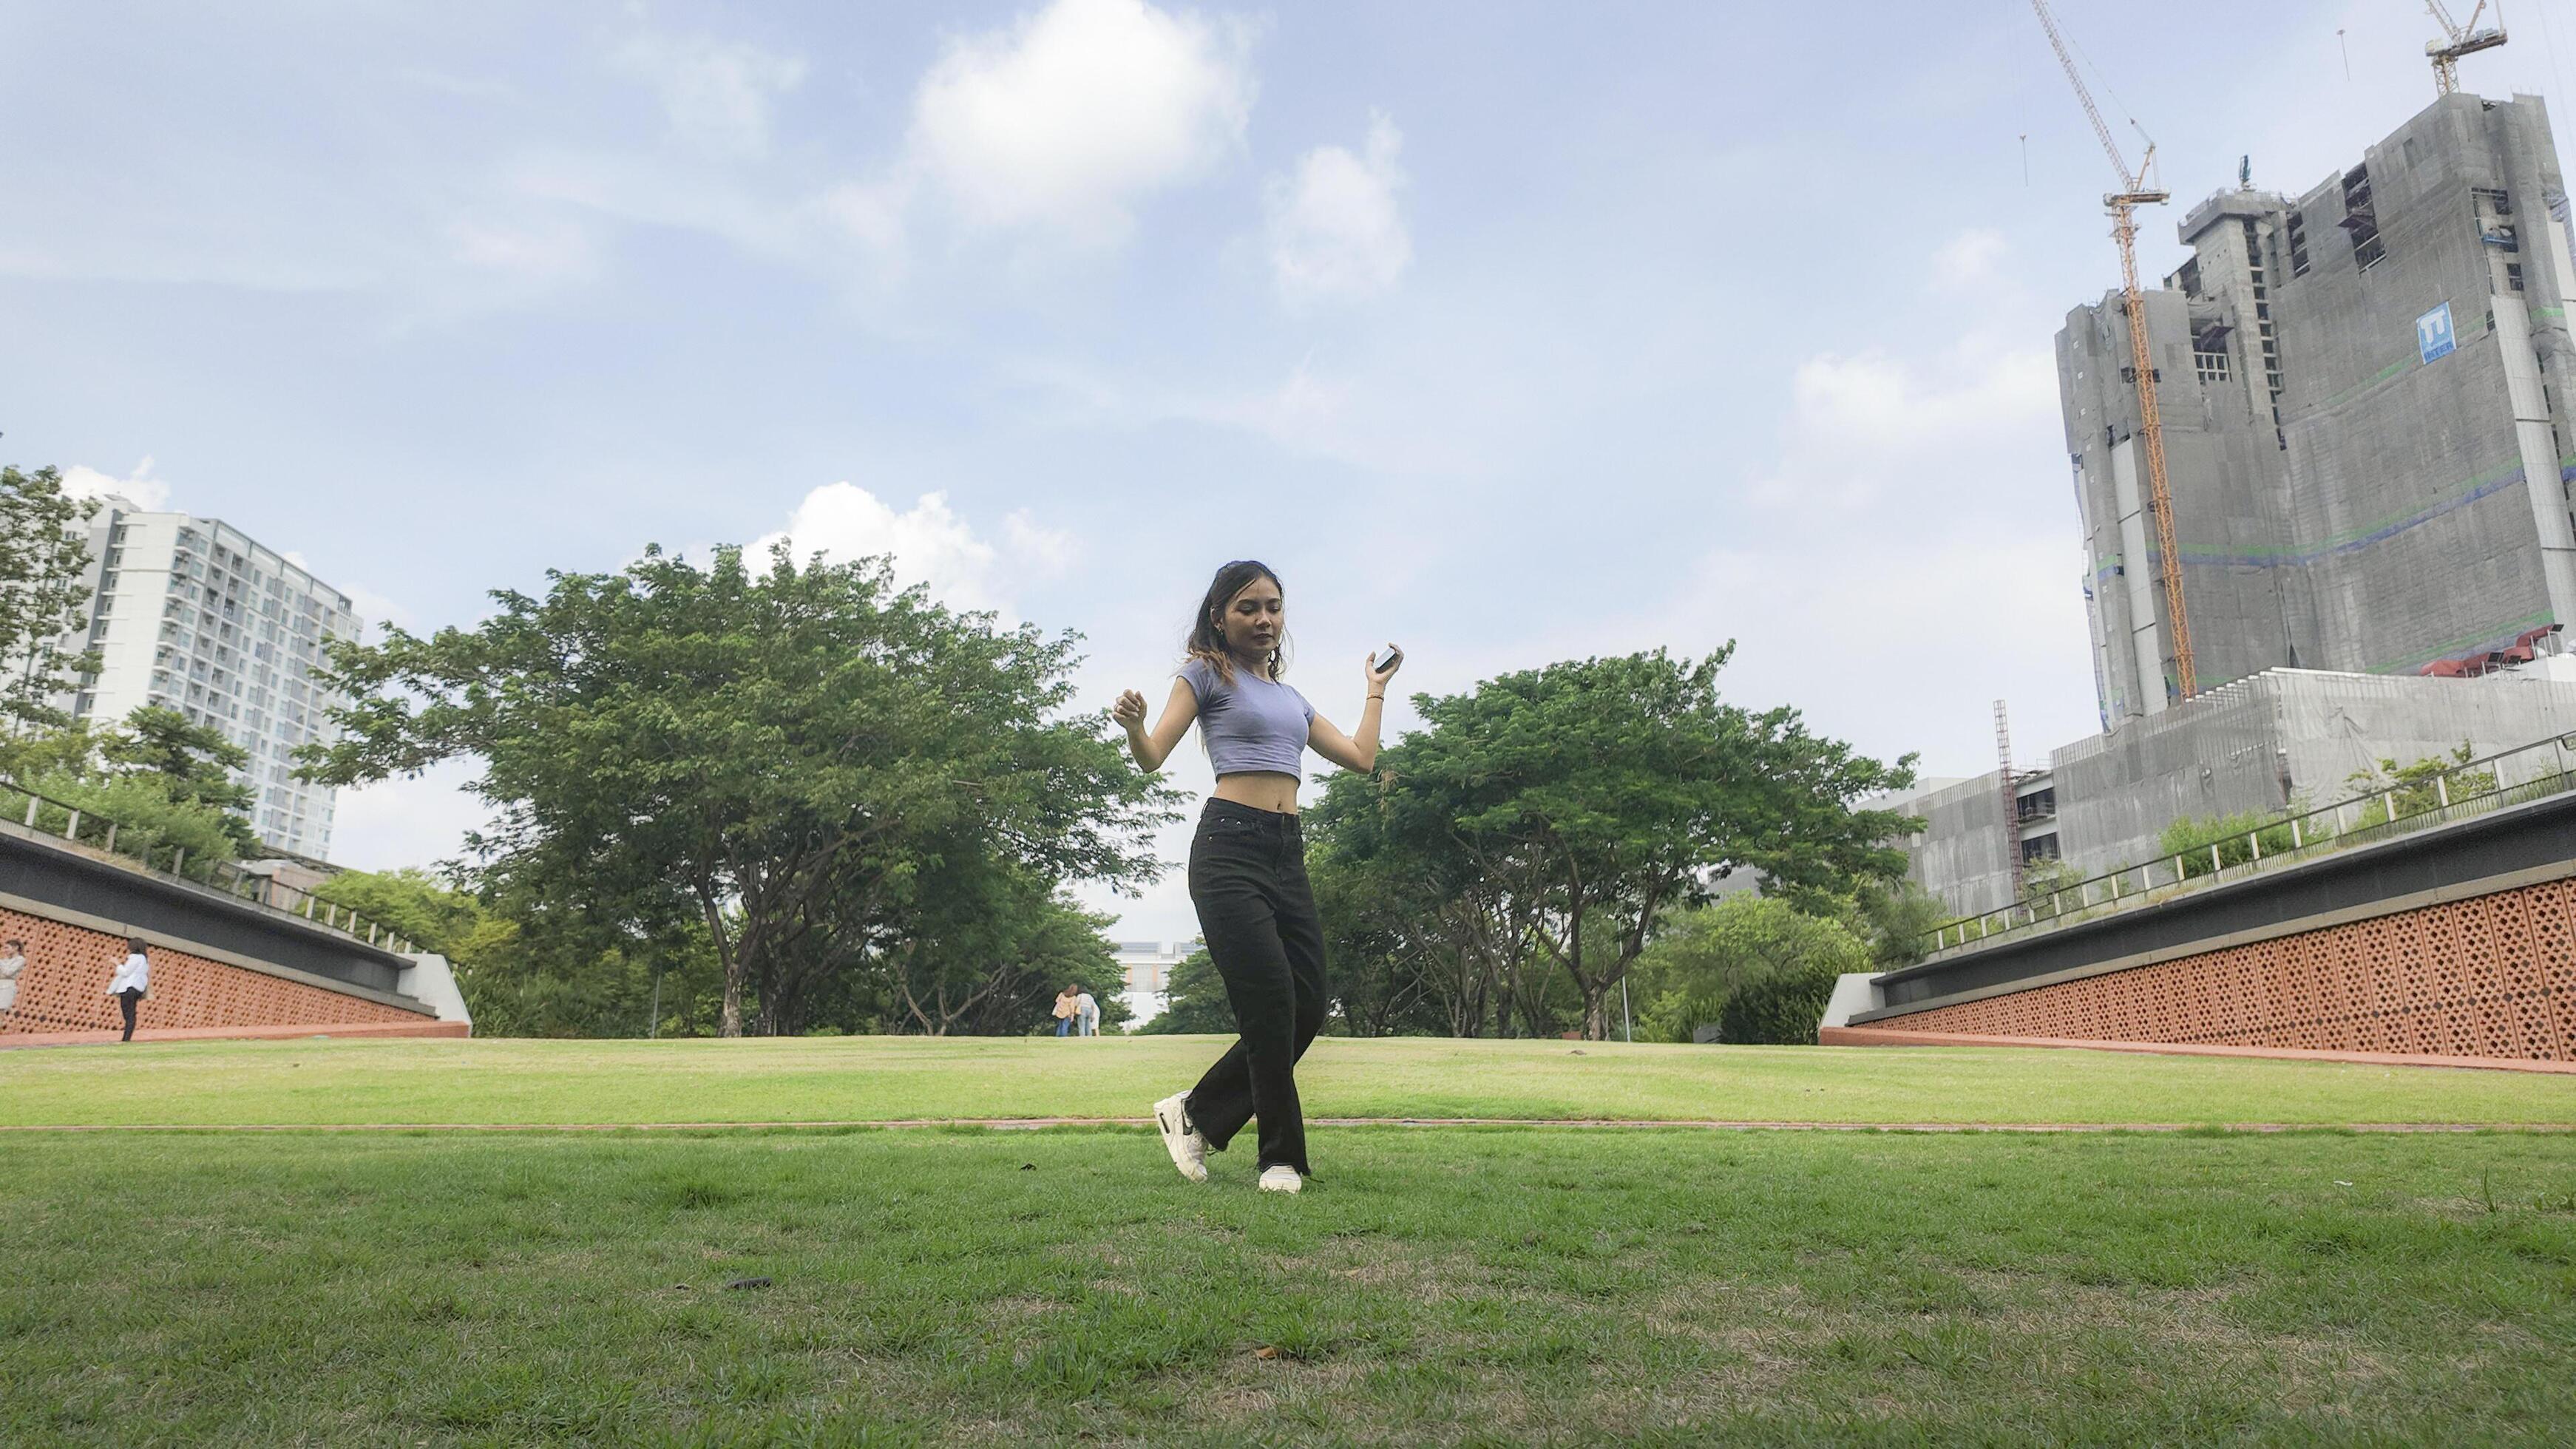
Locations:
(2366, 401)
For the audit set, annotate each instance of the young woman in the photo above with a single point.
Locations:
(1248, 863)
(131, 983)
(13, 959)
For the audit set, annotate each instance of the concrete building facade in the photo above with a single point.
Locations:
(192, 614)
(2284, 739)
(2365, 392)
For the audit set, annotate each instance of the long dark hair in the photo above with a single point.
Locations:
(1207, 641)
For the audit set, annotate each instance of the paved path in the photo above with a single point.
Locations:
(1026, 1124)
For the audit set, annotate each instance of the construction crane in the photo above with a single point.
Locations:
(2134, 192)
(2464, 40)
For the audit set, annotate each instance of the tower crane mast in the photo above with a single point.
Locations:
(2134, 192)
(2462, 40)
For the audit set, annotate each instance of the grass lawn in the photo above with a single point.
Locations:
(1482, 1285)
(888, 1078)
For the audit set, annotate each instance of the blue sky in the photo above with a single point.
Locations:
(1511, 332)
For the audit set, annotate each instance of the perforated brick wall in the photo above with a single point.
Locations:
(64, 988)
(2492, 976)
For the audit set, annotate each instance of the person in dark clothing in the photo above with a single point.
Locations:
(1248, 862)
(131, 983)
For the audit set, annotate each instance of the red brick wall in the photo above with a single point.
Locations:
(64, 988)
(2492, 976)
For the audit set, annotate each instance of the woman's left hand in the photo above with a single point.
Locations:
(1379, 674)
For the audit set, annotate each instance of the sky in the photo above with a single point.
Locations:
(1507, 332)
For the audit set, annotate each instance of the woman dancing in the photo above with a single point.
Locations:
(1248, 863)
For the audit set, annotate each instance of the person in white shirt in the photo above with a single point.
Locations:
(131, 983)
(10, 965)
(1088, 1012)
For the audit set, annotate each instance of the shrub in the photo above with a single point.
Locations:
(1746, 963)
(1779, 1008)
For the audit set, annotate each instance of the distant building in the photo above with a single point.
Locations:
(1145, 968)
(2365, 392)
(2282, 739)
(192, 614)
(2366, 396)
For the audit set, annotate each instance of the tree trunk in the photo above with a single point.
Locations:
(729, 956)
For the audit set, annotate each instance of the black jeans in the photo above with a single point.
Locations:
(1248, 880)
(125, 1003)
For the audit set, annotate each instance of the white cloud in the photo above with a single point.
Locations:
(929, 543)
(139, 488)
(1868, 428)
(541, 250)
(718, 94)
(1335, 228)
(398, 822)
(1074, 114)
(1972, 258)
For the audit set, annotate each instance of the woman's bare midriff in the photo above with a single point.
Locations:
(1274, 793)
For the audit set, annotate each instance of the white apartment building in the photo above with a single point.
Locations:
(1145, 971)
(192, 614)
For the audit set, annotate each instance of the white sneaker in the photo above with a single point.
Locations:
(1180, 1138)
(1281, 1178)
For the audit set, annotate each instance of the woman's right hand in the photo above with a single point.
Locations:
(1129, 712)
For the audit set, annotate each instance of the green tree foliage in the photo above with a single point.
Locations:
(1894, 919)
(42, 598)
(991, 946)
(1196, 1002)
(2417, 787)
(163, 781)
(1747, 964)
(784, 754)
(2043, 877)
(192, 764)
(533, 968)
(2233, 836)
(1588, 798)
(150, 826)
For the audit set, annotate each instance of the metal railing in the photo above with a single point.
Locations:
(45, 815)
(2460, 789)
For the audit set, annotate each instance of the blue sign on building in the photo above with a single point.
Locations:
(2433, 333)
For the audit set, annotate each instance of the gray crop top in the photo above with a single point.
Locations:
(1252, 724)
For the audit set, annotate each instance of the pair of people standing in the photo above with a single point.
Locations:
(129, 984)
(1248, 862)
(1076, 1013)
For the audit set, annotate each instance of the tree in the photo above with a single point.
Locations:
(1894, 919)
(778, 750)
(192, 764)
(1599, 793)
(42, 596)
(1745, 964)
(1195, 1002)
(2417, 787)
(990, 948)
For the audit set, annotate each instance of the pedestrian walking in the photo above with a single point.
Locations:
(1068, 1006)
(131, 983)
(11, 963)
(1086, 1011)
(1248, 862)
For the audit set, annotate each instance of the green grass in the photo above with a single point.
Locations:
(889, 1078)
(1489, 1285)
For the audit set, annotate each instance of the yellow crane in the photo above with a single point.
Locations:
(2134, 192)
(2464, 40)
